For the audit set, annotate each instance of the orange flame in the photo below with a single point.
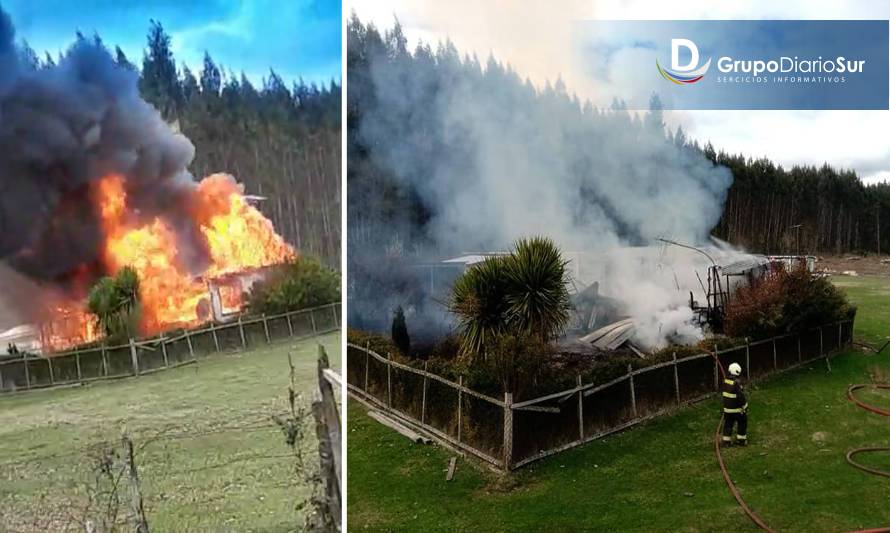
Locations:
(237, 237)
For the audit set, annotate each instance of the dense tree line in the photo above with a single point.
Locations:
(819, 210)
(281, 142)
(767, 209)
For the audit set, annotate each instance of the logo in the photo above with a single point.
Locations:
(683, 74)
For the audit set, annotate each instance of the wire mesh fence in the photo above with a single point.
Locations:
(510, 435)
(146, 356)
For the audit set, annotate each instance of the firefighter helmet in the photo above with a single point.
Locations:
(735, 369)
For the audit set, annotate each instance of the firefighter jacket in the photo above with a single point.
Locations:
(734, 400)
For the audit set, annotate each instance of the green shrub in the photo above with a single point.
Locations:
(301, 283)
(373, 341)
(399, 332)
(784, 301)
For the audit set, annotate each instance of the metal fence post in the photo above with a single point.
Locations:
(460, 397)
(676, 378)
(1, 379)
(775, 356)
(104, 361)
(266, 329)
(633, 394)
(312, 319)
(77, 365)
(747, 358)
(580, 407)
(821, 349)
(508, 431)
(49, 363)
(241, 331)
(423, 400)
(290, 326)
(334, 314)
(134, 359)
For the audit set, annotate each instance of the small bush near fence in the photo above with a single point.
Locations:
(168, 351)
(510, 434)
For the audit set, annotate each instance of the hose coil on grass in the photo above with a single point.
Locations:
(754, 516)
(873, 409)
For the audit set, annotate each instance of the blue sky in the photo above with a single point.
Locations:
(295, 37)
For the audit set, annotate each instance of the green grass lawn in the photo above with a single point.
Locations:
(661, 476)
(227, 474)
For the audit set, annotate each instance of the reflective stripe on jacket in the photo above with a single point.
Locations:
(734, 400)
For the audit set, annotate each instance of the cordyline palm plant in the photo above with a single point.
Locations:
(521, 293)
(115, 303)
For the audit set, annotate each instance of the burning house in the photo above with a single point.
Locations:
(94, 180)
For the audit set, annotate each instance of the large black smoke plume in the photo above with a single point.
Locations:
(63, 127)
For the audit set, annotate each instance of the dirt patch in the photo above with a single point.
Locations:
(862, 265)
(819, 437)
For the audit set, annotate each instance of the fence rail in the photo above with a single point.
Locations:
(510, 435)
(146, 356)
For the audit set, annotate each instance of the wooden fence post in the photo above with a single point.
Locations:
(839, 335)
(134, 359)
(633, 394)
(164, 351)
(135, 492)
(388, 381)
(241, 332)
(188, 341)
(460, 397)
(799, 353)
(104, 361)
(49, 362)
(215, 336)
(508, 431)
(676, 378)
(290, 326)
(775, 356)
(327, 431)
(580, 407)
(367, 362)
(27, 372)
(423, 399)
(716, 371)
(266, 329)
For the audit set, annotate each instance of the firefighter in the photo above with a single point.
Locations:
(735, 407)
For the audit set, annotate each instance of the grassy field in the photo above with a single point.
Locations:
(209, 456)
(661, 476)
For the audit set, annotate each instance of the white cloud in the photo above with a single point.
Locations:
(535, 37)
